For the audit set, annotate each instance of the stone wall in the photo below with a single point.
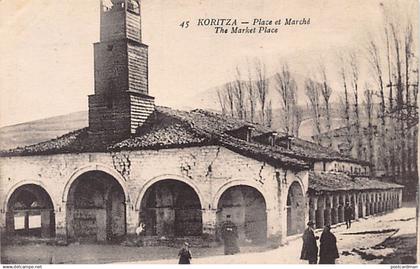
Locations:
(341, 166)
(208, 170)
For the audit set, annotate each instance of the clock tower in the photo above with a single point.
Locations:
(121, 102)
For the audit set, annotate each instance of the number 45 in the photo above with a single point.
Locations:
(185, 24)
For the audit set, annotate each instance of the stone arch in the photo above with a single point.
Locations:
(30, 210)
(96, 205)
(152, 181)
(21, 183)
(244, 205)
(170, 206)
(296, 207)
(237, 182)
(95, 167)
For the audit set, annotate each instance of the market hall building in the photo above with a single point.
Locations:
(179, 173)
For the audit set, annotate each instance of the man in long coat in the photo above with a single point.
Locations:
(348, 214)
(328, 251)
(309, 247)
(230, 237)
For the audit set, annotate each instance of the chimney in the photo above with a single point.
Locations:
(269, 138)
(244, 132)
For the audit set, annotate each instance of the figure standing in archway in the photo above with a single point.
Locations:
(230, 237)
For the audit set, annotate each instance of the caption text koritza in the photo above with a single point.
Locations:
(252, 26)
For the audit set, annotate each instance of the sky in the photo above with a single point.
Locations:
(46, 63)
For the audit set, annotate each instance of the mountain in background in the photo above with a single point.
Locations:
(41, 130)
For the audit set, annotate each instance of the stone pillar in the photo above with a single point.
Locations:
(381, 203)
(10, 223)
(313, 204)
(355, 206)
(373, 210)
(210, 219)
(385, 201)
(395, 199)
(399, 198)
(368, 203)
(327, 211)
(26, 221)
(363, 205)
(392, 199)
(45, 223)
(61, 225)
(376, 203)
(380, 199)
(334, 209)
(342, 201)
(132, 219)
(320, 212)
(101, 225)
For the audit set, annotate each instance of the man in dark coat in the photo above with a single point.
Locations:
(348, 214)
(309, 247)
(230, 237)
(185, 254)
(328, 251)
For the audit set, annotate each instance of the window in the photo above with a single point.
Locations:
(108, 5)
(133, 6)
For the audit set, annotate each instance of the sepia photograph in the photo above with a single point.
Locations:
(209, 132)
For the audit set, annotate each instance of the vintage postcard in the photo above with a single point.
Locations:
(209, 132)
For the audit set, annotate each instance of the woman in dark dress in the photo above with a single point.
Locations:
(328, 247)
(185, 254)
(230, 237)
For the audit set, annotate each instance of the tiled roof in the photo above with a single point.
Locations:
(171, 128)
(332, 181)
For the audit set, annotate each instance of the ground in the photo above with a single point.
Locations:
(387, 238)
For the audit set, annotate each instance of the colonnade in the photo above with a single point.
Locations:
(328, 208)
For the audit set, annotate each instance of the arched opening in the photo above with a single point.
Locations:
(96, 208)
(295, 210)
(247, 210)
(30, 212)
(171, 208)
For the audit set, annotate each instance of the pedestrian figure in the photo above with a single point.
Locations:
(230, 237)
(309, 247)
(141, 228)
(185, 254)
(328, 251)
(348, 214)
